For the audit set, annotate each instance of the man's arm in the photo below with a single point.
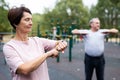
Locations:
(76, 31)
(113, 30)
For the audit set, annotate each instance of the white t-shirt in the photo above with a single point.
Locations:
(18, 52)
(94, 41)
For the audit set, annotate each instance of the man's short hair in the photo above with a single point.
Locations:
(93, 20)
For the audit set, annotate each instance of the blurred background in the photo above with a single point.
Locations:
(55, 19)
(62, 14)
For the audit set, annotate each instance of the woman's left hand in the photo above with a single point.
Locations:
(61, 46)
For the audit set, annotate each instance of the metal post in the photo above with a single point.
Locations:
(116, 38)
(70, 29)
(58, 38)
(70, 44)
(119, 38)
(70, 48)
(38, 30)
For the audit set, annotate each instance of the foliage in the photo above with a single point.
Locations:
(66, 13)
(69, 13)
(4, 24)
(109, 13)
(36, 18)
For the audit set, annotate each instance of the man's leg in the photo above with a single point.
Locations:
(89, 67)
(100, 69)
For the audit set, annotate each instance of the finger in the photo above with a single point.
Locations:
(57, 48)
(63, 51)
(61, 48)
(62, 44)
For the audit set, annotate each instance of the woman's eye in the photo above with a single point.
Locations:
(27, 19)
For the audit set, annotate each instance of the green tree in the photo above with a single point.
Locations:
(108, 11)
(36, 18)
(66, 13)
(4, 24)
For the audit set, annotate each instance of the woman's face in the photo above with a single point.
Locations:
(25, 25)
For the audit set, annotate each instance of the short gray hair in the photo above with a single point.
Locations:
(93, 20)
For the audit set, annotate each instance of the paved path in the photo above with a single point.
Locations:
(65, 70)
(4, 70)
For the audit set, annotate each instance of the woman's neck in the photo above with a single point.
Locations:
(21, 37)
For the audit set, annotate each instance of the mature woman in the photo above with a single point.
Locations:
(26, 56)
